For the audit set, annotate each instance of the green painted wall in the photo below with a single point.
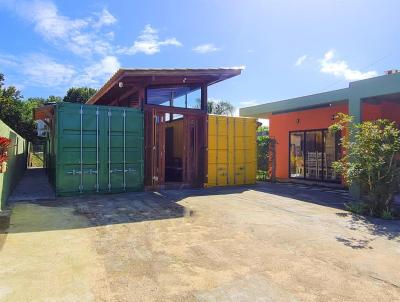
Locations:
(16, 163)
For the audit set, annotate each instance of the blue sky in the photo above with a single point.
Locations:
(288, 48)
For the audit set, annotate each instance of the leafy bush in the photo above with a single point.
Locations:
(387, 215)
(262, 156)
(371, 161)
(356, 207)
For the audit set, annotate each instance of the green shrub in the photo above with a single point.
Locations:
(387, 215)
(263, 156)
(356, 207)
(371, 161)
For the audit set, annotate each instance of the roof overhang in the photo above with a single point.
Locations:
(296, 104)
(132, 79)
(378, 88)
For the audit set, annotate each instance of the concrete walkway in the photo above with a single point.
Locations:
(270, 242)
(33, 186)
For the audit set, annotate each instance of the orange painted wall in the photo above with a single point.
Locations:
(385, 110)
(321, 118)
(281, 124)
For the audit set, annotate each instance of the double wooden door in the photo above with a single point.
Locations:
(194, 148)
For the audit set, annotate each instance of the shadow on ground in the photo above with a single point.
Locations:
(109, 209)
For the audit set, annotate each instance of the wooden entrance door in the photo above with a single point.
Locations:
(195, 150)
(194, 147)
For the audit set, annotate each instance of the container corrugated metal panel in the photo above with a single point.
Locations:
(232, 150)
(96, 149)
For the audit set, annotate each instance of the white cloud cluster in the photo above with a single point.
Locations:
(206, 48)
(44, 71)
(39, 70)
(94, 74)
(148, 43)
(340, 68)
(89, 38)
(104, 19)
(300, 60)
(81, 36)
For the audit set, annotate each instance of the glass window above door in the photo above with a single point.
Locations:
(175, 96)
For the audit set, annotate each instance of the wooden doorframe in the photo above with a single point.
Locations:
(194, 166)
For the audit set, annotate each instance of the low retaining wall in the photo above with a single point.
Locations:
(16, 163)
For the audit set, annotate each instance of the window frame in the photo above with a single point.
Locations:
(337, 155)
(203, 105)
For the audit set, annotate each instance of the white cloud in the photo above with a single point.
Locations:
(8, 61)
(41, 70)
(95, 74)
(340, 68)
(105, 18)
(87, 37)
(205, 48)
(149, 43)
(81, 36)
(110, 35)
(300, 60)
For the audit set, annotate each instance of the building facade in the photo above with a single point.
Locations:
(305, 150)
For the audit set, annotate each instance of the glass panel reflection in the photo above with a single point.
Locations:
(297, 154)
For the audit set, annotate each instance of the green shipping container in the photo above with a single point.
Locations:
(95, 149)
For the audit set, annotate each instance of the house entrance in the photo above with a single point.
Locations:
(312, 153)
(174, 149)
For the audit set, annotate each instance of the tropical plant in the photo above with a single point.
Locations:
(371, 161)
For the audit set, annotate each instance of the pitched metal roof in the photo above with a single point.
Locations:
(223, 73)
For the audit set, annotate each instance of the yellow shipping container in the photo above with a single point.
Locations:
(232, 150)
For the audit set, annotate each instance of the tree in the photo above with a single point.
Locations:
(54, 99)
(11, 111)
(28, 105)
(79, 94)
(220, 108)
(371, 161)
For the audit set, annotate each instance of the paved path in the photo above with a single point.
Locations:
(262, 243)
(33, 186)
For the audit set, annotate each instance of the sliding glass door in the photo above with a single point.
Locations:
(314, 149)
(297, 154)
(312, 154)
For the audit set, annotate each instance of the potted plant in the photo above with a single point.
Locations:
(4, 144)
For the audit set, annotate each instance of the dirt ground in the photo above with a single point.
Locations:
(261, 243)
